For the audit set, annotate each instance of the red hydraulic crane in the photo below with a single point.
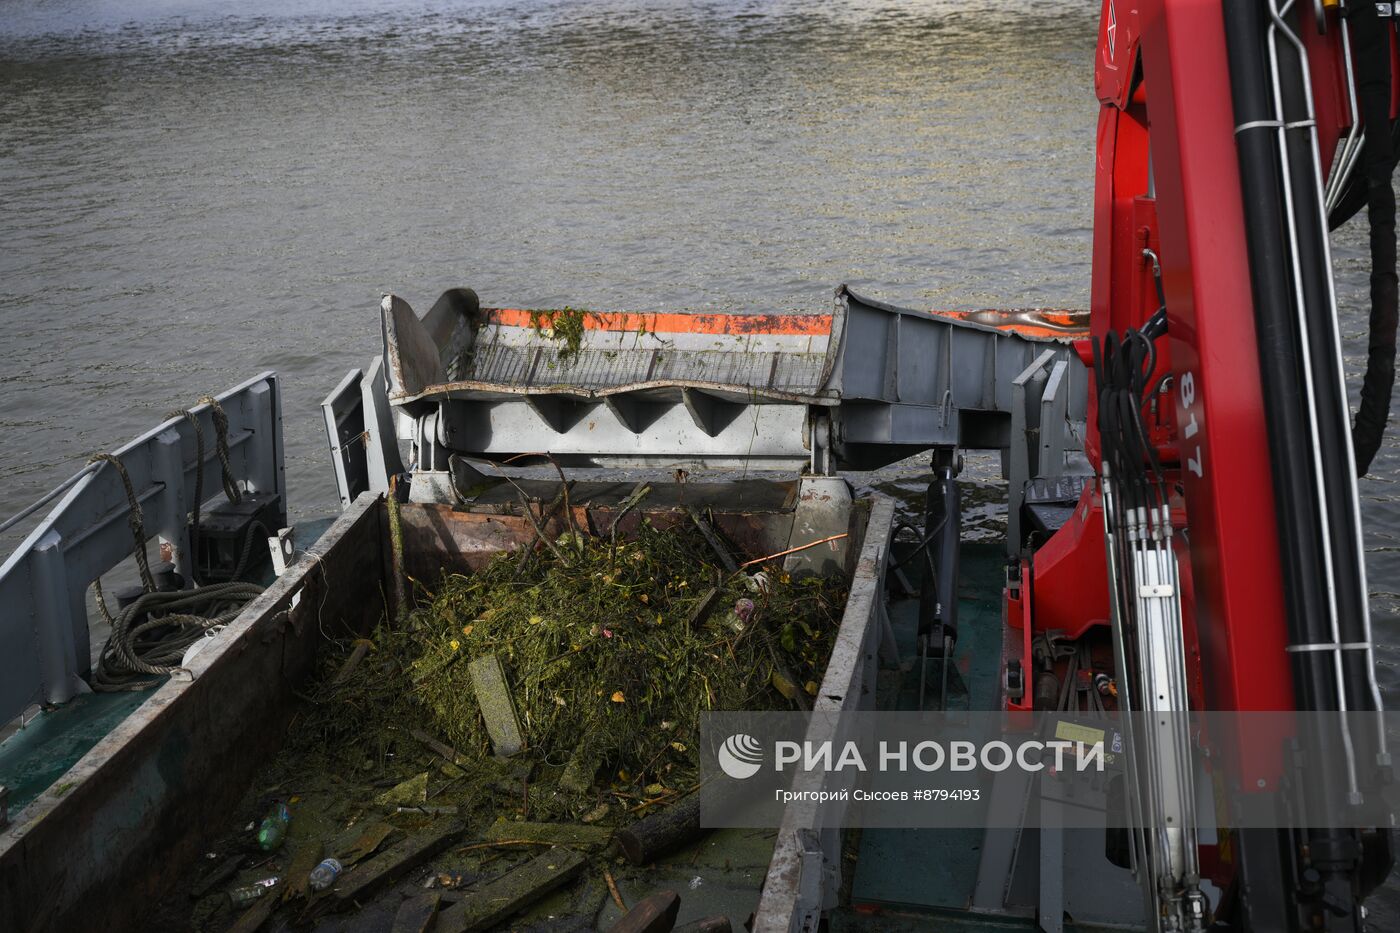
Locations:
(1224, 518)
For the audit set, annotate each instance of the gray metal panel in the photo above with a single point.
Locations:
(344, 415)
(763, 436)
(382, 457)
(1023, 457)
(1053, 403)
(43, 584)
(910, 426)
(898, 357)
(896, 380)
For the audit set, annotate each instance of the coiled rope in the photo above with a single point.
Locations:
(150, 636)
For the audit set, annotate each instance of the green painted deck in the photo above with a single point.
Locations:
(39, 754)
(923, 869)
(921, 880)
(848, 920)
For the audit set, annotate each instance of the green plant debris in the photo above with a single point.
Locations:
(609, 666)
(564, 327)
(601, 656)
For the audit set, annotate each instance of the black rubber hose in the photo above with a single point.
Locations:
(1283, 346)
(1353, 197)
(1372, 66)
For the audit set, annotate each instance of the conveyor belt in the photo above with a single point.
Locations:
(863, 386)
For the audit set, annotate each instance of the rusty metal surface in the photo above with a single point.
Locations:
(504, 353)
(733, 361)
(114, 834)
(741, 494)
(1043, 323)
(867, 385)
(754, 515)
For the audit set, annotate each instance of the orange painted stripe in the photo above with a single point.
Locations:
(671, 323)
(1062, 323)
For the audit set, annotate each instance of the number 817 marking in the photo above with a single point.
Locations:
(1192, 427)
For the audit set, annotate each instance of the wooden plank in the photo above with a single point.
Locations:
(442, 749)
(296, 880)
(497, 705)
(573, 835)
(725, 558)
(392, 864)
(702, 609)
(579, 772)
(371, 837)
(655, 913)
(226, 870)
(416, 914)
(488, 904)
(362, 646)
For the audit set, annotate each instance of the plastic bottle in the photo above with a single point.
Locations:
(242, 897)
(324, 874)
(274, 827)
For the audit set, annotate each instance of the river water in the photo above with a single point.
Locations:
(193, 191)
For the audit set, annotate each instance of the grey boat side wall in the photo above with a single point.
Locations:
(804, 875)
(99, 847)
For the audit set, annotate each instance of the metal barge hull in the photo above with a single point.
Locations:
(116, 831)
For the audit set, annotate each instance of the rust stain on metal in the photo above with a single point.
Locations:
(679, 322)
(1031, 322)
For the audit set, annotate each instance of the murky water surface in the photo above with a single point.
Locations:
(192, 191)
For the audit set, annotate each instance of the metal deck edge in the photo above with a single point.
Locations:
(805, 871)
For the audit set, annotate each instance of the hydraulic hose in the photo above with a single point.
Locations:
(1372, 66)
(1288, 276)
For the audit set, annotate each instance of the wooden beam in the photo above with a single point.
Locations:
(647, 840)
(486, 905)
(392, 864)
(573, 835)
(416, 914)
(497, 705)
(655, 913)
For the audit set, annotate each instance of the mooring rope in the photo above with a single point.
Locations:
(150, 636)
(133, 521)
(221, 431)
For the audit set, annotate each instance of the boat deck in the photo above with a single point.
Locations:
(35, 755)
(936, 869)
(913, 880)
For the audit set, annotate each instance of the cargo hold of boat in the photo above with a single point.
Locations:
(154, 788)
